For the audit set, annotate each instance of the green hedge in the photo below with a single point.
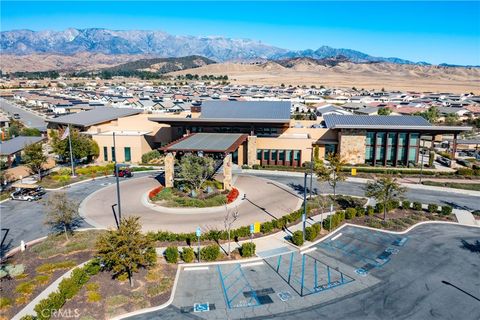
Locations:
(350, 213)
(188, 255)
(247, 249)
(210, 252)
(297, 238)
(433, 208)
(67, 289)
(171, 254)
(417, 206)
(446, 210)
(310, 233)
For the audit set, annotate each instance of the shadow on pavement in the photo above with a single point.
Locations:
(473, 247)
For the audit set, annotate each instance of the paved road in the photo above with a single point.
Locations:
(29, 119)
(25, 220)
(264, 202)
(408, 287)
(456, 200)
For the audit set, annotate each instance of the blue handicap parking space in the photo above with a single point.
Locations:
(362, 248)
(234, 285)
(305, 274)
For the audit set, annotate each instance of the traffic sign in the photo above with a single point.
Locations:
(354, 171)
(256, 227)
(198, 232)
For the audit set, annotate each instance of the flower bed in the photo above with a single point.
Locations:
(152, 194)
(232, 195)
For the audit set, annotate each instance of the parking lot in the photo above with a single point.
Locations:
(407, 284)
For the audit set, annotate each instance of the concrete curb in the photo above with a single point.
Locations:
(151, 309)
(186, 211)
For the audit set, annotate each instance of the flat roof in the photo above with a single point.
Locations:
(333, 121)
(17, 144)
(208, 142)
(265, 110)
(223, 121)
(95, 116)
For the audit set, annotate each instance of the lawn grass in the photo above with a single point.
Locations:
(455, 185)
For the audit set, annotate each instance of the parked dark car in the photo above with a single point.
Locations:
(464, 163)
(124, 173)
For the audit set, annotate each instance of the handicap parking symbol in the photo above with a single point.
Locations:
(201, 307)
(284, 295)
(361, 272)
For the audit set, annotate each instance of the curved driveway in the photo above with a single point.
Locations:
(265, 200)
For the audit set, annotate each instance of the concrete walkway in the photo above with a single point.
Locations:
(29, 308)
(465, 217)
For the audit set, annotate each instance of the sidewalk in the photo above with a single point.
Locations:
(465, 217)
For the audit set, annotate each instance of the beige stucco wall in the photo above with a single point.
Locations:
(352, 145)
(138, 146)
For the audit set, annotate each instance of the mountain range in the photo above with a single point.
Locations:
(160, 44)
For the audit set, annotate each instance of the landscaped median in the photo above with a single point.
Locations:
(62, 177)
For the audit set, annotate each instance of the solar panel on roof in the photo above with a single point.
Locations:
(246, 110)
(338, 121)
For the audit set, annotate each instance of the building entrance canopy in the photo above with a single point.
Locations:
(207, 142)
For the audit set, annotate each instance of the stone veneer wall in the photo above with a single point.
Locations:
(227, 172)
(352, 145)
(169, 169)
(251, 150)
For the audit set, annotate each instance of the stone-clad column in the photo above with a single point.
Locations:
(169, 167)
(251, 150)
(227, 172)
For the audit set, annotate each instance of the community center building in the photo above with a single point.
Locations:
(256, 133)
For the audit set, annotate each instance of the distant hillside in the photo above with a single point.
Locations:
(162, 65)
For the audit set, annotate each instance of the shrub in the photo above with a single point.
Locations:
(310, 233)
(94, 296)
(417, 206)
(5, 302)
(446, 210)
(432, 208)
(210, 252)
(153, 193)
(266, 227)
(405, 204)
(188, 255)
(51, 267)
(232, 195)
(394, 204)
(25, 288)
(317, 227)
(151, 155)
(465, 172)
(360, 211)
(171, 254)
(350, 213)
(41, 279)
(297, 238)
(247, 249)
(379, 207)
(69, 287)
(370, 211)
(47, 306)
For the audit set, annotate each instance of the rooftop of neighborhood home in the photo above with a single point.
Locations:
(208, 142)
(17, 144)
(95, 116)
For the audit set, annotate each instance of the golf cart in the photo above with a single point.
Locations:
(123, 172)
(27, 192)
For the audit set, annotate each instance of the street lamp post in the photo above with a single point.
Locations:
(304, 217)
(116, 178)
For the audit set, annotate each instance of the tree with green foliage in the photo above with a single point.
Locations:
(30, 132)
(34, 158)
(384, 190)
(195, 170)
(127, 249)
(452, 119)
(432, 114)
(82, 146)
(333, 172)
(384, 111)
(62, 213)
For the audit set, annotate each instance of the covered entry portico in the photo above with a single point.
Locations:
(217, 145)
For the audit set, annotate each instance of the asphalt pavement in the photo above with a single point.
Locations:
(434, 275)
(28, 118)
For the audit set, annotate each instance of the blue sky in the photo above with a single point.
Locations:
(421, 31)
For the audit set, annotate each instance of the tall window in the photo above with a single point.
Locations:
(105, 154)
(296, 155)
(370, 141)
(259, 154)
(281, 155)
(128, 154)
(266, 155)
(391, 147)
(274, 155)
(113, 154)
